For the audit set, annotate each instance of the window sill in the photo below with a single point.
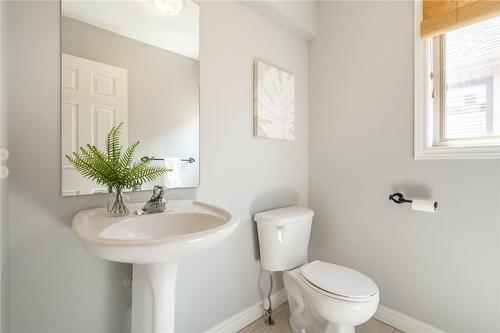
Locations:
(458, 152)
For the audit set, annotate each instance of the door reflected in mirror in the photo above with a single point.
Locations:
(133, 62)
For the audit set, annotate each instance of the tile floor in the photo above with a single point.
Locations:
(280, 316)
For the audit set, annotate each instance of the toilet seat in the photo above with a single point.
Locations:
(338, 282)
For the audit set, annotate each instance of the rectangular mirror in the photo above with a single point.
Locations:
(135, 62)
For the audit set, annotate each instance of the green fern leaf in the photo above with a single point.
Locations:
(111, 168)
(126, 159)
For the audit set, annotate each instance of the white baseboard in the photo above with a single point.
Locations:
(391, 317)
(403, 322)
(249, 315)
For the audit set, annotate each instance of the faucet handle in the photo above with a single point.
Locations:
(155, 204)
(158, 193)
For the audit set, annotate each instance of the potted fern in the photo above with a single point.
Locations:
(115, 170)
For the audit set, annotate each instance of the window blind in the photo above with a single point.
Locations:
(440, 16)
(472, 81)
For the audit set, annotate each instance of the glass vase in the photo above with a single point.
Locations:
(117, 203)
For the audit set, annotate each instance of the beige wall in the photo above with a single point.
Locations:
(59, 287)
(163, 91)
(443, 269)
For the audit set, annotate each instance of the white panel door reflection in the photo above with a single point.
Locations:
(94, 99)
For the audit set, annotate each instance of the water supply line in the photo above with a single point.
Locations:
(269, 310)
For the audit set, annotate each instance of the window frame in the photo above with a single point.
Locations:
(428, 143)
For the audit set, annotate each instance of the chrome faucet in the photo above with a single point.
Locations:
(156, 203)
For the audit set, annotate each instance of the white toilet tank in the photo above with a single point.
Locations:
(284, 237)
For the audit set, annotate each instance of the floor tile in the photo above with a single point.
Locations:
(260, 329)
(253, 326)
(374, 326)
(281, 325)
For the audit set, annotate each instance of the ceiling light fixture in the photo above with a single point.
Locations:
(170, 7)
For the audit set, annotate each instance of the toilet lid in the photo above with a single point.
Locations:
(339, 280)
(284, 215)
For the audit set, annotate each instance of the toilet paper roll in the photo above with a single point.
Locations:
(424, 206)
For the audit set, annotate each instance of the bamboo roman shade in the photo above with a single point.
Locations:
(440, 16)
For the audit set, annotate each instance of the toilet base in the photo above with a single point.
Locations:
(330, 328)
(311, 312)
(338, 329)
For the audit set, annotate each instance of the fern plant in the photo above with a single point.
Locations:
(113, 169)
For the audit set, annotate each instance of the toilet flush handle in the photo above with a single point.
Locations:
(281, 230)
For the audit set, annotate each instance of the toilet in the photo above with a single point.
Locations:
(323, 297)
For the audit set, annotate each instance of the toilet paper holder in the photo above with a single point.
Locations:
(399, 199)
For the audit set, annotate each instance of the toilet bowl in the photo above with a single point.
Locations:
(329, 298)
(323, 297)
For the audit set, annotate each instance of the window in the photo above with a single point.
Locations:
(471, 72)
(457, 111)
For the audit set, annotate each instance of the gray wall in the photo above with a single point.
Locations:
(240, 172)
(4, 227)
(163, 91)
(443, 269)
(56, 285)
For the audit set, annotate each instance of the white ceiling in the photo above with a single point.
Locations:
(141, 20)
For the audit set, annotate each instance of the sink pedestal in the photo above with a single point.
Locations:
(153, 297)
(153, 243)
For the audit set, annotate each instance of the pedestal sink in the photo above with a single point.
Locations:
(153, 243)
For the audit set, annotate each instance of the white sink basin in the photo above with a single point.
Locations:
(187, 228)
(153, 242)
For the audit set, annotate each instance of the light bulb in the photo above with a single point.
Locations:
(170, 7)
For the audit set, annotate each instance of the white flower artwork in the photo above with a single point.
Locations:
(274, 102)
